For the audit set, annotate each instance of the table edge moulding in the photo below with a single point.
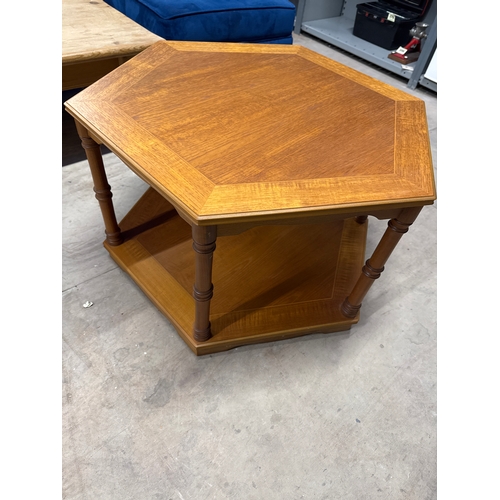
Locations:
(224, 271)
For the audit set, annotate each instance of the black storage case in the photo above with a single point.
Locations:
(387, 24)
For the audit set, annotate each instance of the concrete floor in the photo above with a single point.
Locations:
(349, 416)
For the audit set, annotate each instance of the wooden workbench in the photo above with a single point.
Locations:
(96, 39)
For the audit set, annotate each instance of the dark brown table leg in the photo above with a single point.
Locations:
(375, 265)
(101, 187)
(204, 238)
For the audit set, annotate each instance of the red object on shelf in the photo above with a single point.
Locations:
(411, 51)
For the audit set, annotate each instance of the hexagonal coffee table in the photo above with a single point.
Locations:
(264, 162)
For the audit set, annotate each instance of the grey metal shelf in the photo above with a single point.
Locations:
(337, 31)
(423, 61)
(428, 83)
(333, 22)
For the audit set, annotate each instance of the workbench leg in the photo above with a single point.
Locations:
(204, 238)
(375, 265)
(101, 187)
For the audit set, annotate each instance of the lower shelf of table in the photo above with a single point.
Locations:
(270, 282)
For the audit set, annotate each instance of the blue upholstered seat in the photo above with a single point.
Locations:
(259, 21)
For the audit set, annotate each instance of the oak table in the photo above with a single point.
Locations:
(264, 163)
(96, 39)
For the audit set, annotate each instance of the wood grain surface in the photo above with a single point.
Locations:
(91, 29)
(228, 131)
(263, 164)
(96, 39)
(269, 283)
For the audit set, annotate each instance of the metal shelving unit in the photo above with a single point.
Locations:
(333, 21)
(429, 49)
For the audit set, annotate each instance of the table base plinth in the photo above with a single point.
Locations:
(271, 282)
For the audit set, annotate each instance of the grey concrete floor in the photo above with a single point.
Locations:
(346, 416)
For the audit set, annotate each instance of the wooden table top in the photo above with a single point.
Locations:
(93, 30)
(230, 132)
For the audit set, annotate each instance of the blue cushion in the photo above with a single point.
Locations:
(263, 21)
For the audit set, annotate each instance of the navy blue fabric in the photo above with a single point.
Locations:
(262, 21)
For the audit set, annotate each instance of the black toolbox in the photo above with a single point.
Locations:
(387, 23)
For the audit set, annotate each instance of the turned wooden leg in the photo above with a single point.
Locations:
(101, 187)
(375, 265)
(204, 245)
